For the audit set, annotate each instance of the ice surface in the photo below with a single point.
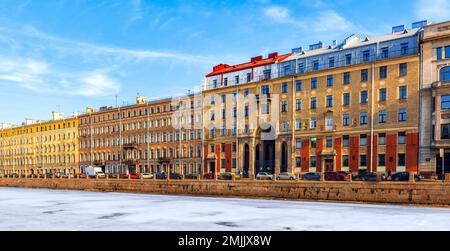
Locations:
(41, 209)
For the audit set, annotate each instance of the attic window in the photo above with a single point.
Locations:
(366, 40)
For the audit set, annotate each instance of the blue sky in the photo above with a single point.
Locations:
(64, 55)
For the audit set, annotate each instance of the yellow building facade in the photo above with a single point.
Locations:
(40, 147)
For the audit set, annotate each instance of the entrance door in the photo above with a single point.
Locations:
(329, 165)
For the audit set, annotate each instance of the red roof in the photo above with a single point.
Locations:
(254, 62)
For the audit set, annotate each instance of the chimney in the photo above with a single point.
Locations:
(90, 110)
(141, 100)
(256, 59)
(297, 50)
(273, 55)
(57, 115)
(419, 24)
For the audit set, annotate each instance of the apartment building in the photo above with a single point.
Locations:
(39, 147)
(346, 106)
(435, 100)
(142, 137)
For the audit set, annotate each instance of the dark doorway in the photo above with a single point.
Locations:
(246, 160)
(212, 166)
(284, 162)
(268, 164)
(329, 165)
(441, 171)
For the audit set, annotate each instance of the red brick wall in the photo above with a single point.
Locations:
(228, 157)
(338, 149)
(412, 151)
(305, 155)
(391, 152)
(319, 149)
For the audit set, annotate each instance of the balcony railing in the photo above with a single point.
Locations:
(343, 62)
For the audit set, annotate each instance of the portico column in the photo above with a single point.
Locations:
(278, 156)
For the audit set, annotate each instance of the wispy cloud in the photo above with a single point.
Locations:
(438, 10)
(278, 14)
(136, 12)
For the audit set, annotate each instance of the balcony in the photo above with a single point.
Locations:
(130, 162)
(164, 160)
(130, 145)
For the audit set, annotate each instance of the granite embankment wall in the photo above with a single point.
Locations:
(425, 193)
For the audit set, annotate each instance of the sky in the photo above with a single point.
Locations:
(66, 55)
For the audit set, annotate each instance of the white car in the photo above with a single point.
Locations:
(147, 176)
(286, 176)
(264, 176)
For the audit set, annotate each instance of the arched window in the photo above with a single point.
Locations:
(445, 74)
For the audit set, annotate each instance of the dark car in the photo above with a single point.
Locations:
(226, 176)
(311, 176)
(123, 176)
(404, 176)
(175, 176)
(191, 176)
(337, 176)
(48, 175)
(113, 175)
(208, 176)
(161, 176)
(367, 176)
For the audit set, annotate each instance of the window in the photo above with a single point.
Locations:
(246, 92)
(313, 103)
(403, 69)
(439, 53)
(345, 162)
(313, 161)
(329, 142)
(313, 123)
(364, 75)
(316, 65)
(447, 51)
(331, 62)
(345, 141)
(330, 101)
(298, 124)
(383, 72)
(246, 111)
(298, 144)
(313, 142)
(298, 162)
(314, 83)
(366, 55)
(265, 90)
(382, 117)
(445, 102)
(382, 95)
(445, 131)
(402, 138)
(329, 80)
(348, 59)
(284, 106)
(346, 120)
(385, 52)
(382, 160)
(267, 74)
(298, 104)
(401, 159)
(382, 139)
(363, 140)
(249, 77)
(284, 88)
(363, 160)
(363, 118)
(298, 86)
(346, 78)
(346, 98)
(265, 109)
(402, 115)
(444, 73)
(225, 81)
(404, 48)
(364, 97)
(301, 68)
(402, 92)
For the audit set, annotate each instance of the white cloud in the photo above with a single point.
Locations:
(331, 20)
(437, 10)
(98, 84)
(136, 12)
(278, 14)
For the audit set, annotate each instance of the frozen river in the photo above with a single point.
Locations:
(35, 209)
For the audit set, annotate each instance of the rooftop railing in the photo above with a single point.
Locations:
(311, 66)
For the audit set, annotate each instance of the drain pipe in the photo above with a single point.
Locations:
(371, 120)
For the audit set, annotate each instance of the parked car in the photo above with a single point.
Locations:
(228, 176)
(48, 175)
(67, 176)
(147, 176)
(311, 176)
(366, 176)
(123, 176)
(161, 176)
(208, 176)
(191, 176)
(112, 175)
(336, 176)
(286, 176)
(404, 176)
(82, 175)
(343, 175)
(264, 176)
(175, 176)
(31, 176)
(135, 176)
